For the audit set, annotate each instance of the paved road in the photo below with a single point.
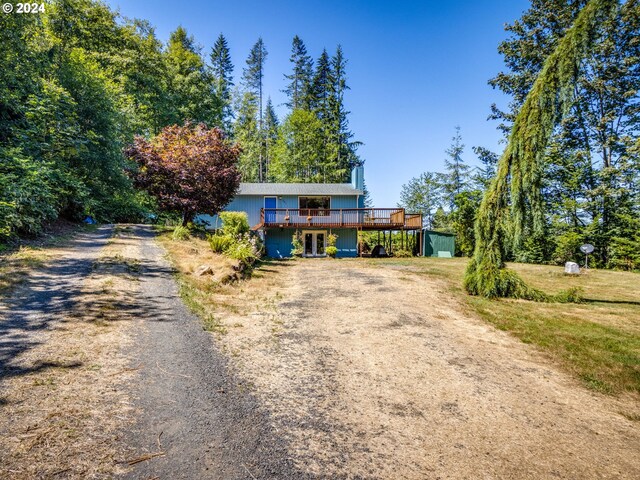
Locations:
(192, 407)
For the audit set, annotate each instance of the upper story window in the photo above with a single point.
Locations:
(314, 206)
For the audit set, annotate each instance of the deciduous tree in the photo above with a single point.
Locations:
(188, 169)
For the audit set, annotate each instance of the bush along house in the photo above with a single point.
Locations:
(302, 217)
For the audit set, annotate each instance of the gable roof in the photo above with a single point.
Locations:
(298, 189)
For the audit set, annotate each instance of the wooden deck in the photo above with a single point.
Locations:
(361, 218)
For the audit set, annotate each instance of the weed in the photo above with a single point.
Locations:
(212, 324)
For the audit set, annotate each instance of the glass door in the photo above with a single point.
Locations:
(320, 244)
(308, 244)
(314, 244)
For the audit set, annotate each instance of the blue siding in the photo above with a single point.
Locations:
(347, 243)
(278, 242)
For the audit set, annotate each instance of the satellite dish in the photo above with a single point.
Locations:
(586, 248)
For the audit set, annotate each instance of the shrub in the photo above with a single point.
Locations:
(297, 244)
(567, 247)
(180, 233)
(331, 251)
(331, 240)
(234, 223)
(220, 243)
(242, 250)
(258, 245)
(402, 253)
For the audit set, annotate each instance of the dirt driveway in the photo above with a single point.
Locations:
(376, 372)
(317, 369)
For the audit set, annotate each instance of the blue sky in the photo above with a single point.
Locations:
(416, 68)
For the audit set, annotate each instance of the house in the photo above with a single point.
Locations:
(278, 211)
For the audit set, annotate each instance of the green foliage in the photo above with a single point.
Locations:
(222, 76)
(298, 247)
(532, 250)
(77, 82)
(181, 233)
(242, 250)
(456, 179)
(572, 295)
(299, 88)
(518, 176)
(235, 240)
(490, 281)
(234, 224)
(589, 169)
(331, 251)
(463, 218)
(313, 143)
(402, 253)
(32, 193)
(298, 155)
(422, 195)
(332, 238)
(625, 247)
(190, 86)
(567, 246)
(220, 243)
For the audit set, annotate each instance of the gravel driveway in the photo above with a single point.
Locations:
(190, 406)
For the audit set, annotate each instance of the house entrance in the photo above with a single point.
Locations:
(314, 243)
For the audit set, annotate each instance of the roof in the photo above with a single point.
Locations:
(298, 189)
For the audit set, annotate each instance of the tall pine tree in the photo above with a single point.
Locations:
(252, 80)
(455, 180)
(222, 73)
(271, 126)
(299, 90)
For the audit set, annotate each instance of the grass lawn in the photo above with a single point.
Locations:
(597, 340)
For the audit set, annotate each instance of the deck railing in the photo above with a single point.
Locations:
(365, 218)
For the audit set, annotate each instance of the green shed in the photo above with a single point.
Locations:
(438, 244)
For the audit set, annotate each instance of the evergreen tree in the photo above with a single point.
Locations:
(487, 171)
(455, 180)
(463, 219)
(297, 156)
(422, 195)
(252, 79)
(341, 149)
(192, 93)
(248, 135)
(321, 87)
(587, 160)
(299, 89)
(271, 126)
(518, 181)
(222, 73)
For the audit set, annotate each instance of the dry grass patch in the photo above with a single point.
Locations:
(63, 416)
(219, 304)
(597, 340)
(15, 266)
